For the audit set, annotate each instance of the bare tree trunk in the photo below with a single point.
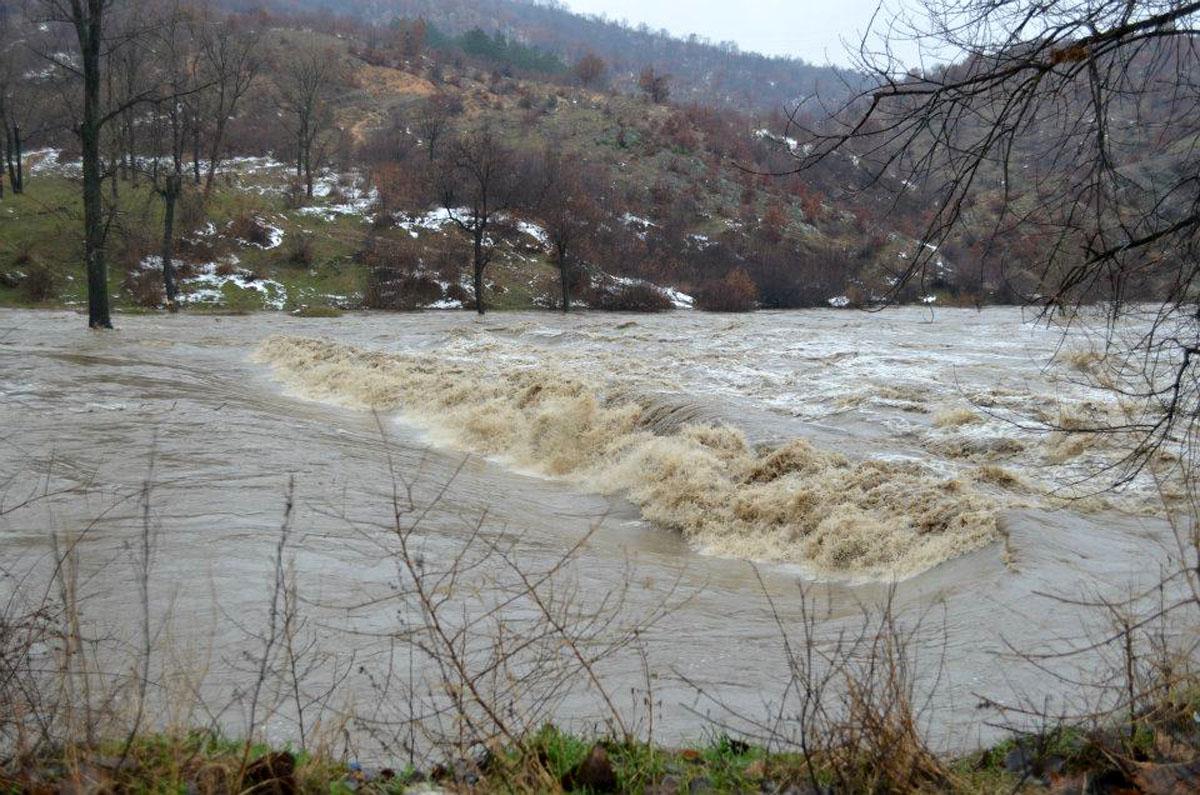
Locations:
(479, 264)
(18, 183)
(195, 148)
(308, 172)
(131, 142)
(174, 186)
(214, 154)
(564, 278)
(13, 155)
(88, 28)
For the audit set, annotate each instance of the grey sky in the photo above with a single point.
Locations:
(815, 30)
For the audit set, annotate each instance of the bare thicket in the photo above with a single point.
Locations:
(1073, 124)
(854, 702)
(485, 650)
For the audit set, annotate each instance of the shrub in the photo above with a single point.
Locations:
(39, 282)
(735, 293)
(456, 292)
(133, 243)
(392, 288)
(301, 250)
(144, 286)
(251, 229)
(190, 212)
(632, 297)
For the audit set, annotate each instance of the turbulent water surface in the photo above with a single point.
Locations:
(845, 450)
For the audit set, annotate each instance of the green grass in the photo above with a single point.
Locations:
(43, 228)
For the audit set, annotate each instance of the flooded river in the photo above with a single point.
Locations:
(845, 450)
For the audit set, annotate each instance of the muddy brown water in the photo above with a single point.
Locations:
(84, 416)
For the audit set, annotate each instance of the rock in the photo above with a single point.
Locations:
(1111, 782)
(1017, 760)
(273, 774)
(700, 785)
(10, 280)
(1176, 779)
(1020, 761)
(594, 773)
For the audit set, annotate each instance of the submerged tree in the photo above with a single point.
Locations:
(1076, 121)
(102, 31)
(88, 20)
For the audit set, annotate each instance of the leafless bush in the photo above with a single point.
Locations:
(392, 288)
(632, 297)
(39, 283)
(249, 228)
(144, 286)
(301, 251)
(851, 706)
(735, 293)
(494, 644)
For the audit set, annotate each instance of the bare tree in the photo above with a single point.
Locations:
(87, 19)
(568, 211)
(10, 150)
(24, 82)
(433, 121)
(229, 62)
(479, 181)
(174, 121)
(304, 84)
(1079, 119)
(96, 44)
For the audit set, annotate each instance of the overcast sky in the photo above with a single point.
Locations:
(815, 30)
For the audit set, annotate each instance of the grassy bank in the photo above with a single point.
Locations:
(1061, 761)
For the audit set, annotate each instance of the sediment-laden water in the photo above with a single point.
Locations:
(846, 450)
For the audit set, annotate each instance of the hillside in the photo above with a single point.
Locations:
(717, 74)
(675, 198)
(679, 195)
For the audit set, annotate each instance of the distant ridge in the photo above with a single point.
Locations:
(704, 72)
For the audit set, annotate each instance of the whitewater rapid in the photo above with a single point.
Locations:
(867, 455)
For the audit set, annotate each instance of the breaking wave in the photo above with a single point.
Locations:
(792, 503)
